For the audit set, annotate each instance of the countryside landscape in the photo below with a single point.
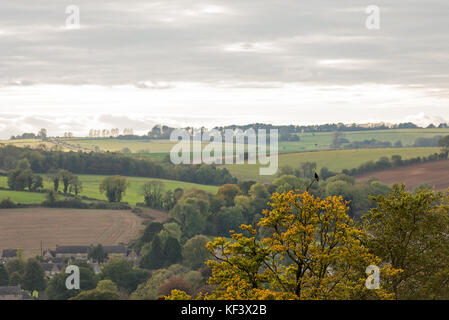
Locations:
(160, 217)
(223, 159)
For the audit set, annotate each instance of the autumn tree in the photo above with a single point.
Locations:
(228, 192)
(410, 230)
(314, 251)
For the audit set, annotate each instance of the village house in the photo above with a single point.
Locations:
(76, 252)
(13, 293)
(118, 251)
(132, 257)
(52, 269)
(8, 254)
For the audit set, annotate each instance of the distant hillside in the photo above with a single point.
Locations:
(434, 173)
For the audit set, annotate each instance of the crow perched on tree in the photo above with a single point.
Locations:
(316, 178)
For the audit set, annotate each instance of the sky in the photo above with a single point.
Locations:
(138, 63)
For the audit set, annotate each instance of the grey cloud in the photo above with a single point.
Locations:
(137, 41)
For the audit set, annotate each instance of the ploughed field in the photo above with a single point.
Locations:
(435, 174)
(25, 228)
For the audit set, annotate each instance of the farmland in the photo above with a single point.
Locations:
(91, 185)
(433, 174)
(26, 228)
(334, 160)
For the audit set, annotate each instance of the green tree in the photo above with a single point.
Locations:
(15, 265)
(151, 231)
(96, 253)
(54, 178)
(154, 258)
(195, 251)
(114, 187)
(4, 277)
(153, 194)
(259, 190)
(172, 252)
(121, 272)
(34, 276)
(444, 144)
(76, 186)
(65, 177)
(57, 290)
(105, 290)
(15, 279)
(410, 230)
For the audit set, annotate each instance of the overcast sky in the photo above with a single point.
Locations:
(137, 63)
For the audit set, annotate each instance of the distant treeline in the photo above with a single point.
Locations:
(393, 162)
(43, 161)
(330, 127)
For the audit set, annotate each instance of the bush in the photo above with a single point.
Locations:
(7, 203)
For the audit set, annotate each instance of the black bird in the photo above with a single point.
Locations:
(316, 178)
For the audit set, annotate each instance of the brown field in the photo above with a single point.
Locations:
(25, 228)
(433, 173)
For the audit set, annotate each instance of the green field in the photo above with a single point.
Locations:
(334, 160)
(158, 149)
(323, 140)
(91, 185)
(22, 196)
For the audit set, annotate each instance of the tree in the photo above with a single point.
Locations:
(151, 231)
(114, 187)
(444, 144)
(411, 231)
(57, 290)
(174, 283)
(228, 192)
(76, 186)
(54, 178)
(313, 251)
(105, 290)
(195, 251)
(15, 279)
(42, 134)
(154, 258)
(172, 252)
(121, 272)
(259, 190)
(96, 253)
(66, 177)
(229, 218)
(34, 276)
(4, 277)
(15, 265)
(148, 290)
(153, 194)
(36, 183)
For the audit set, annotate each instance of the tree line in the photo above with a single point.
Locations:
(43, 161)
